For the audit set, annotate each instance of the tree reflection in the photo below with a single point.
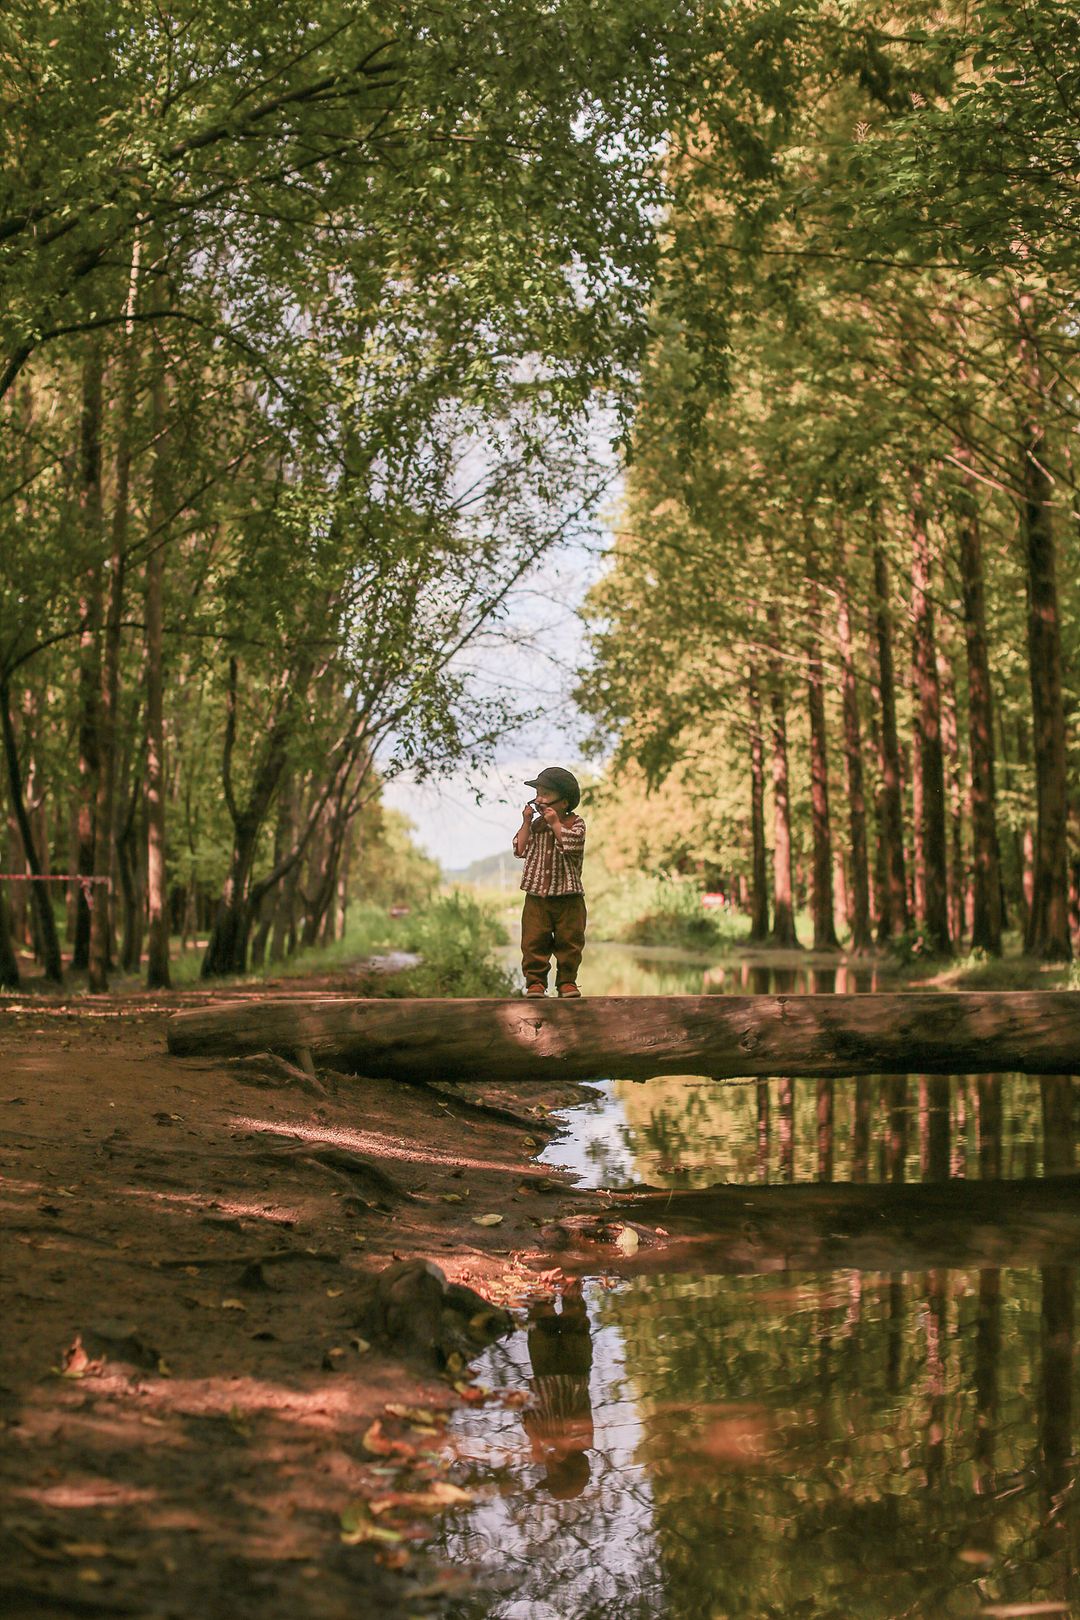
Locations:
(934, 1127)
(807, 1439)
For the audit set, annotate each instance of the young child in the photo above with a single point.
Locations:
(551, 842)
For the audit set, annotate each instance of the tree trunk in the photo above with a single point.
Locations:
(822, 879)
(759, 882)
(638, 1037)
(45, 922)
(893, 916)
(783, 929)
(157, 910)
(104, 811)
(950, 741)
(89, 677)
(226, 951)
(930, 815)
(9, 964)
(986, 917)
(1048, 924)
(860, 870)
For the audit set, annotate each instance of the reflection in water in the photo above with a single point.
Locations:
(624, 970)
(559, 1422)
(770, 1441)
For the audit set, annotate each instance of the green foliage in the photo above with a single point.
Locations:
(635, 908)
(456, 937)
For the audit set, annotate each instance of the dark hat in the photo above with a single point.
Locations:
(562, 783)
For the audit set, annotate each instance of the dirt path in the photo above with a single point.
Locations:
(187, 1389)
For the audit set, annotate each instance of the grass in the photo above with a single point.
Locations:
(643, 910)
(455, 936)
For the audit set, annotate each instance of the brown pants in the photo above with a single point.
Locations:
(552, 922)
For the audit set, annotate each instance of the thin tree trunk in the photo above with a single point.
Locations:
(783, 929)
(986, 916)
(893, 916)
(930, 813)
(950, 740)
(822, 879)
(1048, 924)
(108, 729)
(759, 890)
(9, 963)
(157, 911)
(52, 961)
(89, 678)
(860, 871)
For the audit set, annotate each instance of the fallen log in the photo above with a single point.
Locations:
(638, 1037)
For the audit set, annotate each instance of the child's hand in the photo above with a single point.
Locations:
(550, 815)
(527, 814)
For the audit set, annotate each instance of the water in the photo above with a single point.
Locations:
(838, 1403)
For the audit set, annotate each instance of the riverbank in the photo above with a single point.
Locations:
(200, 1412)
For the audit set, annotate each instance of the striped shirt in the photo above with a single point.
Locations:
(549, 867)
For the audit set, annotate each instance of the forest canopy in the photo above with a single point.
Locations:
(845, 575)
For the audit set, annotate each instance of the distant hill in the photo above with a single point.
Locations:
(499, 871)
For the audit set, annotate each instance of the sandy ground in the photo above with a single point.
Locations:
(194, 1422)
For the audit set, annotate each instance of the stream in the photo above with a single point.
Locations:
(884, 1427)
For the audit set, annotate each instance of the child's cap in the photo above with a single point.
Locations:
(563, 783)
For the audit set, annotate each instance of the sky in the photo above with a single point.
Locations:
(469, 815)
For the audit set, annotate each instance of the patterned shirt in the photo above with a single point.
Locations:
(551, 868)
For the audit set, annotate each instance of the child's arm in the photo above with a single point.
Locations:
(521, 837)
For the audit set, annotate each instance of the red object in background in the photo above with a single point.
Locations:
(399, 911)
(714, 902)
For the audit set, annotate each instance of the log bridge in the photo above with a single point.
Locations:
(642, 1037)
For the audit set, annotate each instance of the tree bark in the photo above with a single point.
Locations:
(90, 509)
(930, 817)
(638, 1037)
(860, 870)
(108, 699)
(950, 741)
(783, 928)
(157, 910)
(1048, 923)
(893, 916)
(986, 919)
(52, 961)
(9, 962)
(759, 882)
(821, 887)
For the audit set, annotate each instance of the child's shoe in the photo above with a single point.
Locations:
(569, 990)
(537, 989)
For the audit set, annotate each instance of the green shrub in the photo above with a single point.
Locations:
(643, 910)
(455, 937)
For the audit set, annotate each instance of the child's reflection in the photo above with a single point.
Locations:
(559, 1425)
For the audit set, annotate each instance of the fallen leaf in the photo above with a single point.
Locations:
(233, 1305)
(441, 1495)
(487, 1220)
(378, 1444)
(627, 1241)
(360, 1345)
(416, 1414)
(334, 1293)
(452, 1198)
(85, 1549)
(357, 1526)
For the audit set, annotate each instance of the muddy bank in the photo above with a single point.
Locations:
(202, 1410)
